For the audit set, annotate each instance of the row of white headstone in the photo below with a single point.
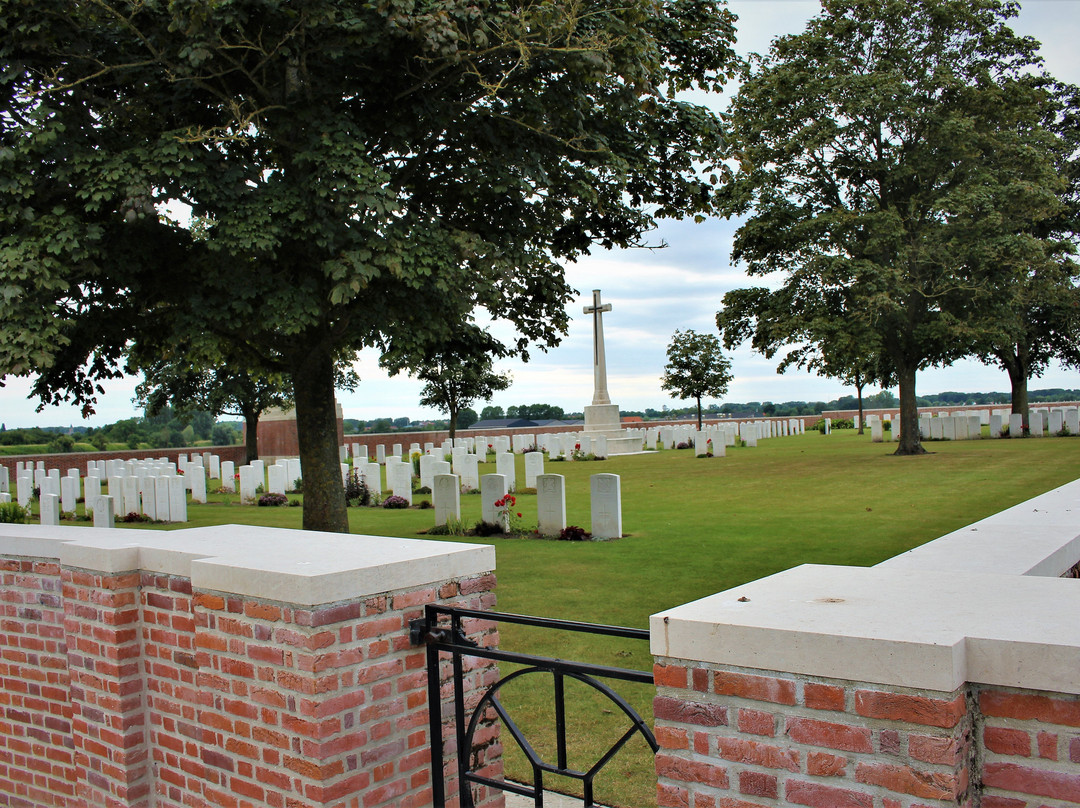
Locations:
(605, 502)
(968, 425)
(156, 488)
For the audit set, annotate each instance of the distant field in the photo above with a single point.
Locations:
(698, 526)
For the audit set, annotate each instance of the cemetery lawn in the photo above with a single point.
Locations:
(699, 526)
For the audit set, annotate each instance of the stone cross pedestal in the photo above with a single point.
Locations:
(602, 417)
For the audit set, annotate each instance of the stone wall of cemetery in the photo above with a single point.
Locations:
(944, 676)
(223, 666)
(71, 460)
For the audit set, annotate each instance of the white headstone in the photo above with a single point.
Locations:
(50, 509)
(294, 473)
(162, 503)
(446, 497)
(1035, 420)
(215, 467)
(247, 485)
(493, 489)
(69, 494)
(534, 466)
(1016, 425)
(504, 465)
(550, 503)
(1056, 421)
(177, 499)
(91, 492)
(104, 512)
(470, 473)
(427, 476)
(196, 479)
(148, 495)
(1072, 420)
(228, 475)
(275, 483)
(599, 446)
(877, 433)
(995, 425)
(606, 495)
(4, 486)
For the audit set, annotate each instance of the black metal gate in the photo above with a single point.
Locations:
(441, 629)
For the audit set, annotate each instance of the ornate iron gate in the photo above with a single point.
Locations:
(441, 629)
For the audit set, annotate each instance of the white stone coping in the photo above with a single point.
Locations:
(923, 629)
(292, 566)
(1040, 536)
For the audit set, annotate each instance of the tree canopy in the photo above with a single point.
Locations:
(894, 152)
(696, 368)
(366, 175)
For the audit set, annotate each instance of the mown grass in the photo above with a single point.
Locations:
(698, 526)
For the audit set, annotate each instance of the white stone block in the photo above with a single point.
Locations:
(446, 497)
(470, 473)
(104, 510)
(1035, 420)
(493, 489)
(247, 485)
(215, 467)
(550, 503)
(69, 494)
(50, 509)
(131, 495)
(606, 498)
(196, 479)
(1016, 425)
(534, 467)
(1072, 420)
(177, 499)
(275, 481)
(380, 454)
(148, 496)
(162, 503)
(228, 475)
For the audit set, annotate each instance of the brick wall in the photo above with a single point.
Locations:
(737, 739)
(136, 688)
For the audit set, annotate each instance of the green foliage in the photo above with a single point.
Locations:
(536, 412)
(337, 208)
(13, 513)
(893, 163)
(60, 444)
(273, 500)
(696, 367)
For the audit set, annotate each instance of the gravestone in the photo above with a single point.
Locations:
(995, 426)
(701, 447)
(1072, 420)
(492, 489)
(4, 486)
(162, 499)
(948, 428)
(131, 495)
(215, 467)
(177, 500)
(446, 496)
(275, 482)
(69, 493)
(937, 431)
(504, 465)
(457, 459)
(247, 485)
(196, 478)
(974, 427)
(91, 492)
(50, 509)
(1035, 420)
(427, 476)
(371, 473)
(148, 495)
(534, 467)
(470, 473)
(24, 488)
(380, 454)
(1056, 422)
(606, 496)
(1016, 425)
(877, 432)
(550, 503)
(258, 468)
(600, 446)
(228, 475)
(104, 512)
(396, 452)
(294, 473)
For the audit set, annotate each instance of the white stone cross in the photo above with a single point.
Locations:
(600, 392)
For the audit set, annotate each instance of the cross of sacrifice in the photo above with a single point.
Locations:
(600, 392)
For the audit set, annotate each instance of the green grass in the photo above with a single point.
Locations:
(697, 526)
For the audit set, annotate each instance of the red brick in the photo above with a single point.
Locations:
(1048, 745)
(823, 697)
(691, 771)
(689, 712)
(740, 750)
(670, 675)
(822, 796)
(483, 583)
(1037, 782)
(1002, 802)
(907, 780)
(822, 764)
(214, 602)
(1028, 707)
(935, 749)
(672, 738)
(1007, 741)
(757, 784)
(912, 709)
(758, 688)
(757, 722)
(668, 796)
(1074, 750)
(825, 733)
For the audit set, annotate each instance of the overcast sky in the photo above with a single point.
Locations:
(652, 293)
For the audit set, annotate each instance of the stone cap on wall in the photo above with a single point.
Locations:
(292, 566)
(922, 629)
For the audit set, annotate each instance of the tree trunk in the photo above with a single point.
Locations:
(453, 423)
(858, 394)
(251, 435)
(1018, 379)
(316, 427)
(910, 440)
(699, 413)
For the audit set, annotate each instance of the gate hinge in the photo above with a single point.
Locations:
(420, 633)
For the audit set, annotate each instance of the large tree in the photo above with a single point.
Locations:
(368, 174)
(880, 151)
(696, 368)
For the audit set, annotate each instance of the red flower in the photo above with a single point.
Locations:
(519, 516)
